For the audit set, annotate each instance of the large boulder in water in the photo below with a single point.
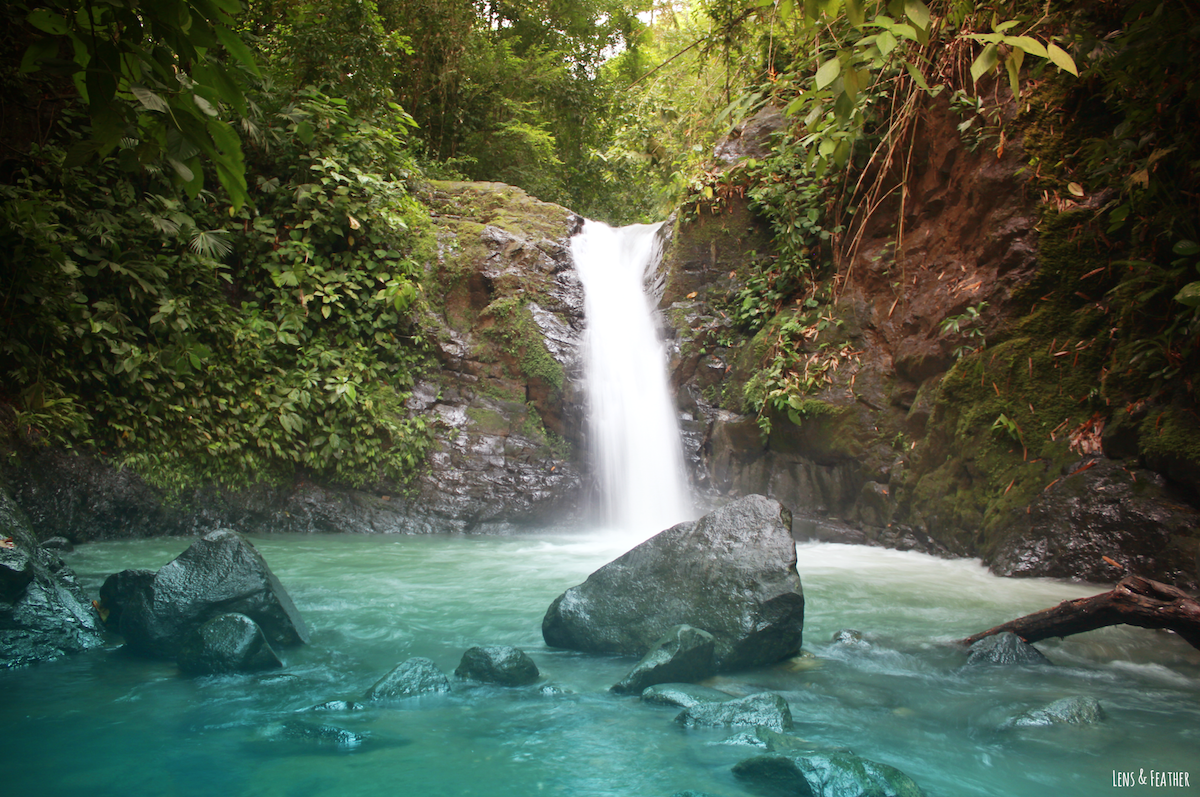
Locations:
(226, 643)
(222, 572)
(731, 573)
(44, 613)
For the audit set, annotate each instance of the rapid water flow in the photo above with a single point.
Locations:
(104, 724)
(634, 429)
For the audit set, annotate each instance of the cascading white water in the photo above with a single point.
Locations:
(635, 433)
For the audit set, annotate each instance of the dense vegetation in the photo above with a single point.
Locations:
(212, 245)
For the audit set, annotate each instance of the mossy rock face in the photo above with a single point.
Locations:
(501, 393)
(1102, 510)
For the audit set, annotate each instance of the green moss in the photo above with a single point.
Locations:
(485, 421)
(516, 333)
(1173, 433)
(500, 205)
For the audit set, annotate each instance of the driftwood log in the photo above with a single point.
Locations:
(1133, 601)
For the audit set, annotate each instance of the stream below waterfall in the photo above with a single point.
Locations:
(105, 723)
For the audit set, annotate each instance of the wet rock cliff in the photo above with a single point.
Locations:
(965, 413)
(502, 393)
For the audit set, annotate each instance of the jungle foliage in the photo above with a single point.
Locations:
(1107, 97)
(211, 248)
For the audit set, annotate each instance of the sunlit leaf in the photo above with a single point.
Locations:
(985, 62)
(828, 72)
(1061, 59)
(1189, 295)
(918, 13)
(1028, 44)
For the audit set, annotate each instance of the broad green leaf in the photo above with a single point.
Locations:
(1061, 59)
(917, 13)
(843, 107)
(786, 9)
(185, 173)
(986, 61)
(204, 105)
(1013, 65)
(41, 50)
(1028, 44)
(1186, 248)
(831, 8)
(237, 48)
(1189, 295)
(46, 20)
(149, 100)
(855, 12)
(1004, 26)
(828, 72)
(886, 42)
(850, 82)
(841, 155)
(917, 77)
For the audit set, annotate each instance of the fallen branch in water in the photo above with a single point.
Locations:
(1133, 601)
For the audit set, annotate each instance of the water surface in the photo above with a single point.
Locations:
(104, 723)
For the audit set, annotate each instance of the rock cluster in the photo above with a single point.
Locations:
(43, 612)
(221, 573)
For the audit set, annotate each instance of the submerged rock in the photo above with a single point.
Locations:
(58, 544)
(497, 664)
(417, 676)
(683, 695)
(1066, 711)
(220, 573)
(322, 735)
(682, 654)
(226, 643)
(337, 705)
(43, 612)
(834, 775)
(776, 742)
(850, 638)
(765, 708)
(1005, 648)
(732, 573)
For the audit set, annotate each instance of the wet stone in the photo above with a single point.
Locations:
(497, 664)
(683, 695)
(416, 676)
(684, 653)
(1005, 648)
(225, 644)
(337, 705)
(834, 775)
(765, 708)
(1065, 711)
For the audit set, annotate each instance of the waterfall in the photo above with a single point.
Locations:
(634, 430)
